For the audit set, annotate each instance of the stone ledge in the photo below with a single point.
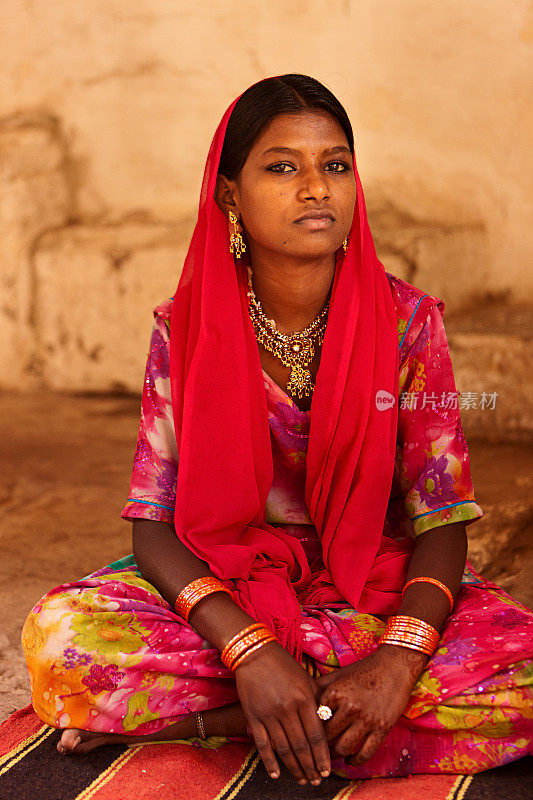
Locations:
(35, 195)
(491, 349)
(97, 285)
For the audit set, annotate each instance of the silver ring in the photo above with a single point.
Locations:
(324, 712)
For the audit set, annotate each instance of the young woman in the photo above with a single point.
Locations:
(301, 577)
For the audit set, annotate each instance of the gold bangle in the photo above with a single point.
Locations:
(200, 725)
(410, 629)
(412, 621)
(412, 639)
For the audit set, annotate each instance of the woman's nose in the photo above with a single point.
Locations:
(314, 183)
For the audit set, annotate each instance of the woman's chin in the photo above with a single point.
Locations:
(311, 249)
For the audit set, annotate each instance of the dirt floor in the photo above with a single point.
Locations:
(67, 464)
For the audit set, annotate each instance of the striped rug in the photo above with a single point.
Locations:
(32, 769)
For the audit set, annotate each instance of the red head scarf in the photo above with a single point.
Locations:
(225, 466)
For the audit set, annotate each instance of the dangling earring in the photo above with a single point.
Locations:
(345, 244)
(236, 245)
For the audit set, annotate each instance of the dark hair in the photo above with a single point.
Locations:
(258, 105)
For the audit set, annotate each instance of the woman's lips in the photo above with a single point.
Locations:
(316, 224)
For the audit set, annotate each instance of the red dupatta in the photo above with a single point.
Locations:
(225, 460)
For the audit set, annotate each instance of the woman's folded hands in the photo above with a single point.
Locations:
(367, 698)
(280, 700)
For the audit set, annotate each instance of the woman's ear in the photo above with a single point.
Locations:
(225, 194)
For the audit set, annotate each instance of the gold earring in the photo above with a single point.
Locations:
(236, 245)
(345, 244)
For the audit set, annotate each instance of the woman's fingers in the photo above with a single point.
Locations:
(316, 736)
(370, 746)
(302, 742)
(341, 718)
(301, 747)
(264, 746)
(315, 688)
(323, 681)
(352, 738)
(285, 751)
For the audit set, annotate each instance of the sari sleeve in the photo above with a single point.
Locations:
(434, 461)
(152, 493)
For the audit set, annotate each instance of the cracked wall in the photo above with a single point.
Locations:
(107, 113)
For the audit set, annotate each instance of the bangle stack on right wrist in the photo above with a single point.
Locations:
(194, 592)
(244, 643)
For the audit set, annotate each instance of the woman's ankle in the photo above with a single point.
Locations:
(223, 721)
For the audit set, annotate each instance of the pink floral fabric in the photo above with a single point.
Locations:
(109, 654)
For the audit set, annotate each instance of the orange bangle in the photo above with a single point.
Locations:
(435, 582)
(406, 631)
(427, 650)
(249, 652)
(196, 591)
(401, 626)
(237, 655)
(244, 643)
(400, 633)
(238, 637)
(407, 635)
(405, 619)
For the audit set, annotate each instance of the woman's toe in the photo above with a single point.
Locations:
(71, 738)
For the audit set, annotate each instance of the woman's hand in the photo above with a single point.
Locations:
(279, 699)
(367, 698)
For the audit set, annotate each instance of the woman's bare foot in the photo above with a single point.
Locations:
(224, 721)
(74, 740)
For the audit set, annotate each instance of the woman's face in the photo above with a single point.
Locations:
(299, 163)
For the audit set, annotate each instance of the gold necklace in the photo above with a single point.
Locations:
(295, 350)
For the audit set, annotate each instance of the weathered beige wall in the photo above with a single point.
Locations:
(107, 110)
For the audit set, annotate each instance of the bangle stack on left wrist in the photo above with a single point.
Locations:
(410, 632)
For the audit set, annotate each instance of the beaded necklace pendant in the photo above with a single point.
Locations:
(295, 350)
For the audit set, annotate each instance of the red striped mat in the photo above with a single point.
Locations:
(32, 769)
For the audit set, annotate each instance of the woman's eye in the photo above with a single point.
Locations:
(273, 168)
(343, 164)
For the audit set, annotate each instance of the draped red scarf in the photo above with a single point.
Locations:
(225, 466)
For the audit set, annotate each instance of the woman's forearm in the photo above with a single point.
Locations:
(168, 564)
(438, 553)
